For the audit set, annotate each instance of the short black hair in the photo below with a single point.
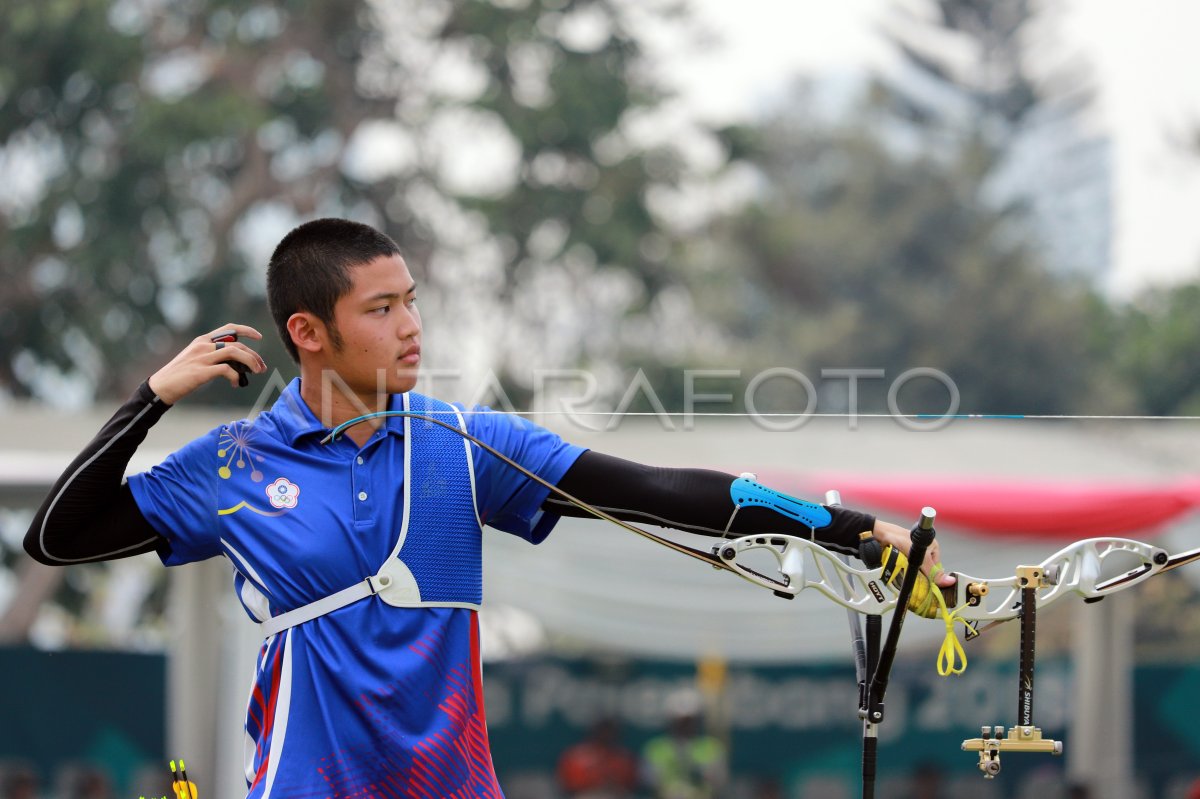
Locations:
(310, 270)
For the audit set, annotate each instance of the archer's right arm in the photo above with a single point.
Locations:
(91, 514)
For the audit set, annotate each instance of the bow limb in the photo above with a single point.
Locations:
(1136, 575)
(1091, 568)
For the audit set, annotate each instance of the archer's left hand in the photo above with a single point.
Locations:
(888, 534)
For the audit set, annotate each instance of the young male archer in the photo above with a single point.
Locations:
(360, 558)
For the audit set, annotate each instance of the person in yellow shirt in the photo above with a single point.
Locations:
(685, 762)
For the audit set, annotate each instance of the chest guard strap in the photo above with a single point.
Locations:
(394, 584)
(436, 561)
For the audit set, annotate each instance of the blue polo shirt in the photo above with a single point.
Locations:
(369, 699)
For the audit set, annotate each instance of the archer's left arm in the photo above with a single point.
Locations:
(699, 501)
(694, 500)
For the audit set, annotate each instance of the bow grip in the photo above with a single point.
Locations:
(748, 493)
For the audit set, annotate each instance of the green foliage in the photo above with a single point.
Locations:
(859, 258)
(1151, 345)
(157, 142)
(565, 102)
(140, 147)
(106, 257)
(974, 50)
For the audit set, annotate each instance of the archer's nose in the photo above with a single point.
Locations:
(409, 324)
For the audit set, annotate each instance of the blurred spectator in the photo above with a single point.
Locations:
(19, 783)
(1194, 790)
(926, 782)
(685, 763)
(91, 783)
(598, 767)
(768, 788)
(1077, 790)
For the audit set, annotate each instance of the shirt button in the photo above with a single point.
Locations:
(362, 494)
(360, 460)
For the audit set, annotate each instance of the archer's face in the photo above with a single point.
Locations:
(380, 329)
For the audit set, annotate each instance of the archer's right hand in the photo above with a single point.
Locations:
(202, 361)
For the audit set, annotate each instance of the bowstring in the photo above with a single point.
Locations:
(927, 417)
(597, 512)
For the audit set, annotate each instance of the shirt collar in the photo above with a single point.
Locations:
(294, 419)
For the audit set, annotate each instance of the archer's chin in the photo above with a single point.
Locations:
(403, 380)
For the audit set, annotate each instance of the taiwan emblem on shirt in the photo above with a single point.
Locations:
(283, 493)
(240, 458)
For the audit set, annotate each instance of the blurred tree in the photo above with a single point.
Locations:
(999, 80)
(1150, 345)
(155, 152)
(156, 131)
(964, 67)
(863, 258)
(911, 233)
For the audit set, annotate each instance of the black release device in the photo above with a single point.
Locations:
(227, 337)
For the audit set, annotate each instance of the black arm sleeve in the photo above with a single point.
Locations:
(695, 500)
(90, 514)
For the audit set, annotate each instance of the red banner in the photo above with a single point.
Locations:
(1014, 508)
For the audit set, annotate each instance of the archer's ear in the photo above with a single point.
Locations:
(307, 332)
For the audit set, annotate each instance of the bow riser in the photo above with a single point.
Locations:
(805, 564)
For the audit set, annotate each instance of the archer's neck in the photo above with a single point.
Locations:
(333, 402)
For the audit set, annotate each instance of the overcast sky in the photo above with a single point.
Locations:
(1144, 57)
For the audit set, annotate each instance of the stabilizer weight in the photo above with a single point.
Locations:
(1024, 737)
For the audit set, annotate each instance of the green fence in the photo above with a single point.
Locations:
(791, 723)
(82, 708)
(797, 723)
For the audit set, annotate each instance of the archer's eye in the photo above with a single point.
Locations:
(381, 310)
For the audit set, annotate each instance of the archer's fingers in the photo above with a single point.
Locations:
(233, 327)
(229, 373)
(224, 352)
(933, 565)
